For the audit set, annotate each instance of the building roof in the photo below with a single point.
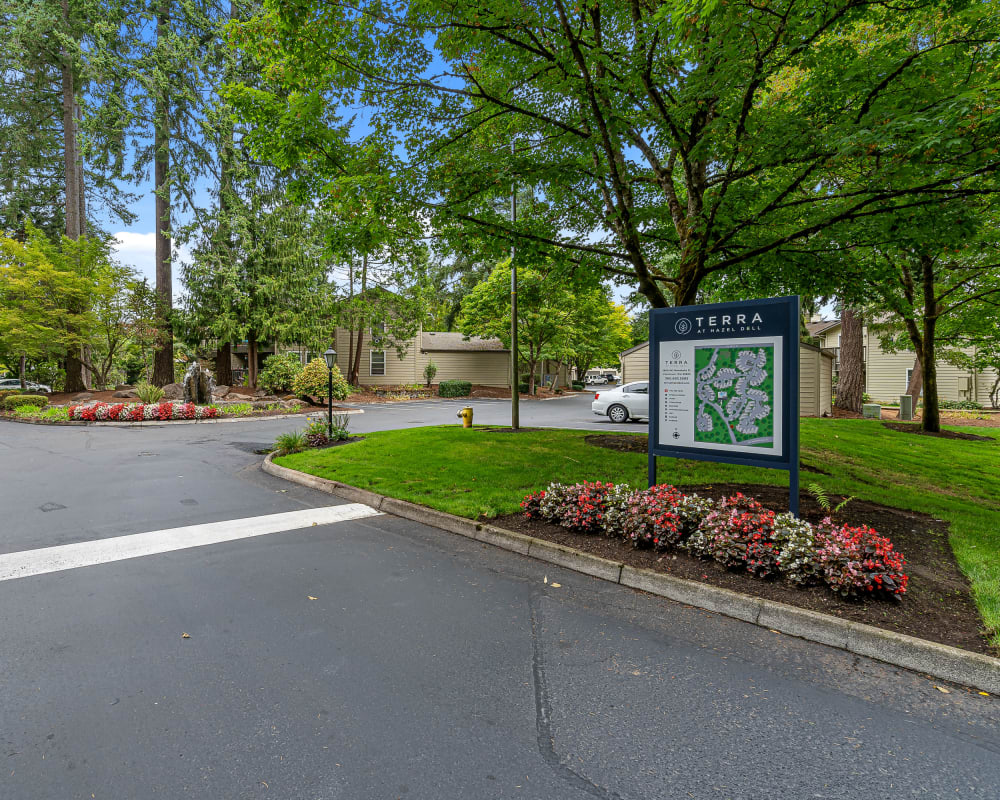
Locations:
(816, 328)
(639, 346)
(443, 341)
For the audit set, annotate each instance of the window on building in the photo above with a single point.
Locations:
(377, 362)
(378, 333)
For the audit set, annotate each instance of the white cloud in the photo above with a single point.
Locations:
(139, 250)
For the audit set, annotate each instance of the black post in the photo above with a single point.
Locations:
(329, 403)
(651, 475)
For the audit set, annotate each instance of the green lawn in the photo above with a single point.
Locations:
(473, 472)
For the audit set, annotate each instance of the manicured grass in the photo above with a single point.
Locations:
(478, 471)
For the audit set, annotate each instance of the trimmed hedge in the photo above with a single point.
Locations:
(19, 400)
(5, 393)
(455, 388)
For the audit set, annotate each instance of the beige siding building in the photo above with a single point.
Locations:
(482, 362)
(815, 376)
(888, 374)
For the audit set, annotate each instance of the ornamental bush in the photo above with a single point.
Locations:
(317, 433)
(796, 543)
(856, 561)
(616, 509)
(578, 507)
(651, 518)
(455, 388)
(313, 381)
(279, 372)
(532, 505)
(19, 400)
(738, 532)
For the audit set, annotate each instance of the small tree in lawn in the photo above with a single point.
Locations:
(545, 313)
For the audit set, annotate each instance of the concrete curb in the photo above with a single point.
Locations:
(938, 660)
(162, 423)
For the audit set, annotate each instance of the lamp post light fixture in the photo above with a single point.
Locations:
(331, 361)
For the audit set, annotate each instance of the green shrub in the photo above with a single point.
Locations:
(5, 393)
(455, 388)
(964, 405)
(19, 400)
(148, 394)
(577, 386)
(522, 388)
(279, 372)
(291, 442)
(313, 381)
(430, 371)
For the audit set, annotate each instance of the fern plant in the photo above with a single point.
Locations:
(824, 501)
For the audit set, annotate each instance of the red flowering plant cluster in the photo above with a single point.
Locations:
(579, 507)
(137, 412)
(651, 518)
(532, 505)
(856, 561)
(738, 532)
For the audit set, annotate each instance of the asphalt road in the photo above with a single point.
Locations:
(378, 658)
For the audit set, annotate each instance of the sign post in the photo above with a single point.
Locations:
(724, 385)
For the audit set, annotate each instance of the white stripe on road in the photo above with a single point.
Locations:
(103, 551)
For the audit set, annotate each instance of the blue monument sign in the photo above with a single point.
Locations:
(724, 385)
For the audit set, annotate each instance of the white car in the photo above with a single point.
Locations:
(622, 403)
(15, 383)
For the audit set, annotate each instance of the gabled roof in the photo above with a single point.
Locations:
(447, 341)
(639, 346)
(816, 328)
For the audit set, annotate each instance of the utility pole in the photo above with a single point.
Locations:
(515, 421)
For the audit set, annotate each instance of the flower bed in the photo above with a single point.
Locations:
(736, 531)
(137, 412)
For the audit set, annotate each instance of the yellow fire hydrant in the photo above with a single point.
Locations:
(466, 415)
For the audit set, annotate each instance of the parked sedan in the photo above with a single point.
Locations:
(15, 383)
(622, 403)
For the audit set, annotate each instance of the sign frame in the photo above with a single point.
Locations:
(779, 324)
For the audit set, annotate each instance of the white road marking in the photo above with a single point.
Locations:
(103, 551)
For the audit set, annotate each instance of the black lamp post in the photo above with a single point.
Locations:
(331, 361)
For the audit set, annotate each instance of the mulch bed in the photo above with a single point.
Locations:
(910, 427)
(937, 605)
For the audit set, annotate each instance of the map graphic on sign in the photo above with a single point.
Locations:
(735, 395)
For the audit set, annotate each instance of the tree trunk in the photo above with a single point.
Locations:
(224, 365)
(74, 374)
(74, 369)
(163, 357)
(252, 361)
(70, 161)
(931, 418)
(356, 366)
(916, 383)
(851, 380)
(20, 372)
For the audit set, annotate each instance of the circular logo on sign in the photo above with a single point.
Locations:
(683, 326)
(675, 355)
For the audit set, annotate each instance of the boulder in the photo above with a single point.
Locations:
(294, 404)
(126, 394)
(261, 405)
(220, 391)
(82, 397)
(124, 387)
(173, 391)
